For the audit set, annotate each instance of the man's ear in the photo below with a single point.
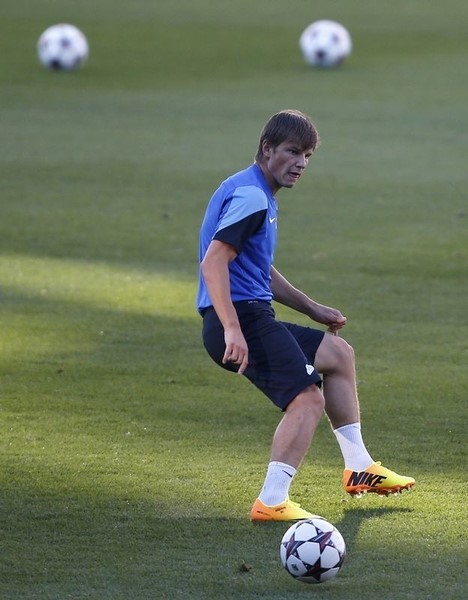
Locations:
(266, 149)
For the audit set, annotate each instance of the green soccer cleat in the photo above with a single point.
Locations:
(376, 479)
(286, 511)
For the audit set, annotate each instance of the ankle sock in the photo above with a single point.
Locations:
(355, 454)
(277, 481)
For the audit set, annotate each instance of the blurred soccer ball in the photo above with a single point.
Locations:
(62, 47)
(312, 550)
(325, 44)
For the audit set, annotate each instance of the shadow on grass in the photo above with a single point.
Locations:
(72, 546)
(355, 518)
(99, 545)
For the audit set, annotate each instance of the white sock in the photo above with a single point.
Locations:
(355, 454)
(277, 481)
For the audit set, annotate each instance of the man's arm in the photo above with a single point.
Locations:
(287, 294)
(215, 271)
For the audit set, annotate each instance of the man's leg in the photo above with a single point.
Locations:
(294, 433)
(335, 360)
(291, 441)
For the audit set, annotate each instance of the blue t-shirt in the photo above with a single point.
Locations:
(242, 212)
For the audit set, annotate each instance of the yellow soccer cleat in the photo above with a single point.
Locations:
(376, 479)
(286, 511)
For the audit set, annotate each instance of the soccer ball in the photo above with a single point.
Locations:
(62, 47)
(312, 550)
(325, 44)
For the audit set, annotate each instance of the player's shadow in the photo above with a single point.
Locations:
(354, 518)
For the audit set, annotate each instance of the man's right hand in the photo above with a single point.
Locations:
(237, 351)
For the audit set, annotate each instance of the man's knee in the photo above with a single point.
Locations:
(334, 353)
(310, 399)
(343, 350)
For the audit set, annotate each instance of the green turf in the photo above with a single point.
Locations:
(128, 460)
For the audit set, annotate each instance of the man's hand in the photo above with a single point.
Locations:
(237, 351)
(331, 317)
(287, 294)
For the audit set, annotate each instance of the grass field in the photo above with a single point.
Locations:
(129, 461)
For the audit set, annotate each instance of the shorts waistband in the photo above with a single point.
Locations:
(237, 304)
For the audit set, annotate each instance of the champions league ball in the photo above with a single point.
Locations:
(312, 550)
(325, 44)
(62, 47)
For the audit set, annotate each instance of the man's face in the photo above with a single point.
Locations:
(284, 164)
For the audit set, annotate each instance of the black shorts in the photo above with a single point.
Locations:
(281, 355)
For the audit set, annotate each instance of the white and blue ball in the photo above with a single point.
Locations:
(62, 47)
(325, 44)
(312, 550)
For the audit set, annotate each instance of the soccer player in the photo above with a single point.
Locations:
(302, 370)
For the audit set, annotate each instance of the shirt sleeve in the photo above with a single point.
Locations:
(242, 216)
